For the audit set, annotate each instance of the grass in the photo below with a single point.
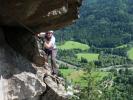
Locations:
(122, 46)
(66, 72)
(130, 53)
(77, 76)
(73, 45)
(98, 75)
(88, 56)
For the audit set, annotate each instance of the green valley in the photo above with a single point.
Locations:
(100, 46)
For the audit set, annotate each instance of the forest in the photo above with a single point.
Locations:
(102, 23)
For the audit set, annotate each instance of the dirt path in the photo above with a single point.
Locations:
(66, 64)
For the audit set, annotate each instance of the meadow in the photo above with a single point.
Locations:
(130, 53)
(80, 77)
(73, 45)
(88, 56)
(122, 46)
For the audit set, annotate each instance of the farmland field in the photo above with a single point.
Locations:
(130, 53)
(122, 46)
(88, 56)
(73, 45)
(77, 76)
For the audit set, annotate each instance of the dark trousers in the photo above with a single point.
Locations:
(52, 53)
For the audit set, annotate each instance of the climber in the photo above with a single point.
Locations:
(51, 50)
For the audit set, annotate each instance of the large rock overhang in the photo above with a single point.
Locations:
(39, 15)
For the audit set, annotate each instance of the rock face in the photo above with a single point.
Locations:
(22, 76)
(23, 80)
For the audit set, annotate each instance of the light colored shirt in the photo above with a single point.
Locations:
(52, 41)
(50, 44)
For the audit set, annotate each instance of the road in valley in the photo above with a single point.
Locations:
(66, 64)
(118, 67)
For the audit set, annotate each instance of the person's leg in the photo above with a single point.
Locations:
(53, 62)
(47, 53)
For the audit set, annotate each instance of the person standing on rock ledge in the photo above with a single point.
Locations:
(51, 50)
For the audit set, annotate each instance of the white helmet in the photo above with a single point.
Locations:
(51, 31)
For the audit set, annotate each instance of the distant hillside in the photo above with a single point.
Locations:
(103, 23)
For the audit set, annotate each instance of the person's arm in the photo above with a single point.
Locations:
(48, 44)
